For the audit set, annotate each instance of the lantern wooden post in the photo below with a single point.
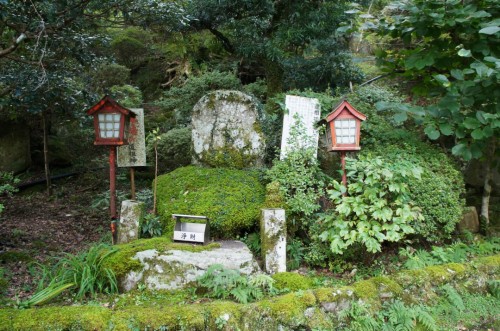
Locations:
(343, 128)
(111, 123)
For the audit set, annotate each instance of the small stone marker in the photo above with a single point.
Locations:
(309, 111)
(273, 238)
(130, 216)
(470, 221)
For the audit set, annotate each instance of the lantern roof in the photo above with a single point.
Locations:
(344, 105)
(108, 103)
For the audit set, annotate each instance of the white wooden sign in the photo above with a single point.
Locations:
(134, 154)
(308, 110)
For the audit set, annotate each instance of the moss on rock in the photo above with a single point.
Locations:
(230, 198)
(122, 261)
(292, 281)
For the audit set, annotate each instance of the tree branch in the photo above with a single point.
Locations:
(226, 43)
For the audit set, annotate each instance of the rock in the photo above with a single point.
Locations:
(335, 307)
(14, 147)
(226, 131)
(470, 221)
(130, 216)
(173, 269)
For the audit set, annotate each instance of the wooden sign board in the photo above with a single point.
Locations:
(134, 154)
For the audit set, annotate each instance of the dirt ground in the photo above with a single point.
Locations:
(35, 227)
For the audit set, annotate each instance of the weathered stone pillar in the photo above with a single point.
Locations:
(130, 216)
(273, 239)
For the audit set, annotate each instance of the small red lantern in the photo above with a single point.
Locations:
(343, 127)
(111, 122)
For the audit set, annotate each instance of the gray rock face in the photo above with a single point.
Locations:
(175, 268)
(226, 131)
(14, 147)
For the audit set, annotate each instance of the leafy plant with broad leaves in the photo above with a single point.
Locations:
(377, 208)
(151, 226)
(231, 284)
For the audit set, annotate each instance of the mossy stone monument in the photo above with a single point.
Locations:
(226, 131)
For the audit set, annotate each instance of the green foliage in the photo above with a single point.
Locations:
(230, 198)
(457, 253)
(295, 253)
(301, 181)
(230, 284)
(455, 63)
(44, 295)
(85, 271)
(253, 242)
(7, 185)
(377, 208)
(494, 288)
(101, 200)
(394, 316)
(174, 149)
(291, 281)
(130, 46)
(110, 74)
(151, 226)
(127, 95)
(181, 100)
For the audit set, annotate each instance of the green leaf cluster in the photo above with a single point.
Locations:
(451, 54)
(377, 208)
(7, 185)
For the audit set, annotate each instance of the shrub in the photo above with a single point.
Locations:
(438, 192)
(378, 207)
(7, 185)
(127, 95)
(174, 149)
(230, 198)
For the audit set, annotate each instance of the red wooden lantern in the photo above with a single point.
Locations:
(343, 128)
(111, 122)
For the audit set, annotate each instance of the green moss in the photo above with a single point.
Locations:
(228, 157)
(122, 262)
(274, 197)
(292, 281)
(230, 198)
(228, 311)
(490, 264)
(328, 294)
(289, 307)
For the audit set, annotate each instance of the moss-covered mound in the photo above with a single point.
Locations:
(230, 198)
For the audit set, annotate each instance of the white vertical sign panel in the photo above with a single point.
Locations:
(134, 154)
(308, 110)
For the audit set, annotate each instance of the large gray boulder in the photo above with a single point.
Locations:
(175, 268)
(226, 131)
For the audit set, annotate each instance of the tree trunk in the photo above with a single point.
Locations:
(46, 153)
(488, 174)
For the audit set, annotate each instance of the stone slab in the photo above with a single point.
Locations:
(174, 269)
(134, 154)
(130, 217)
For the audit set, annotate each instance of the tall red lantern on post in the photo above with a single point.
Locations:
(343, 127)
(111, 122)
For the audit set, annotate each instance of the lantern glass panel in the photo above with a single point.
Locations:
(345, 131)
(109, 125)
